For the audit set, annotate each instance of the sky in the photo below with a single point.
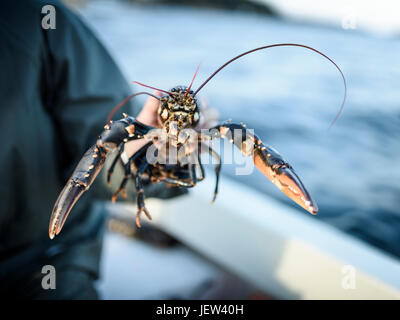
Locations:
(379, 17)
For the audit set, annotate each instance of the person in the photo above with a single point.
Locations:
(57, 88)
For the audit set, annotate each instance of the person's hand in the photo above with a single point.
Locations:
(148, 115)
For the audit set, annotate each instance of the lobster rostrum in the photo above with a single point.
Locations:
(178, 111)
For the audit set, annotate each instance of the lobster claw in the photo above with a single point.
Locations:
(272, 165)
(80, 181)
(268, 161)
(90, 165)
(66, 200)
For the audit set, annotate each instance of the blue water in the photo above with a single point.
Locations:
(288, 95)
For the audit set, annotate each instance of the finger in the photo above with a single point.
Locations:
(152, 103)
(131, 147)
(148, 115)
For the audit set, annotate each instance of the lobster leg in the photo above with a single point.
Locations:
(217, 171)
(192, 174)
(268, 161)
(127, 168)
(217, 157)
(201, 169)
(140, 201)
(111, 169)
(121, 189)
(140, 194)
(189, 182)
(177, 182)
(90, 165)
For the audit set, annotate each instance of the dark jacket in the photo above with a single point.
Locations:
(57, 87)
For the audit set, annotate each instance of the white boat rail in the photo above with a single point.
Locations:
(283, 253)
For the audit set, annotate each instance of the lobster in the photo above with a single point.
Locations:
(178, 117)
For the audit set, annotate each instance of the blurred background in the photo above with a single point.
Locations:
(288, 95)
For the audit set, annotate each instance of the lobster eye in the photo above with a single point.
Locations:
(173, 90)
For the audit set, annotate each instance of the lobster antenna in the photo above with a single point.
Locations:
(145, 85)
(283, 45)
(116, 108)
(194, 77)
